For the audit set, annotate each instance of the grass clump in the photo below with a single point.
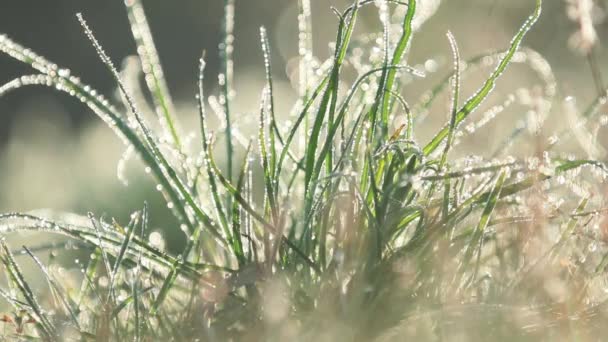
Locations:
(363, 232)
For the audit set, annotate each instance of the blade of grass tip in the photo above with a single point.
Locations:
(469, 65)
(226, 76)
(476, 243)
(177, 182)
(305, 48)
(123, 249)
(342, 42)
(60, 292)
(474, 102)
(273, 128)
(573, 164)
(341, 49)
(453, 111)
(455, 96)
(391, 75)
(274, 131)
(219, 206)
(154, 76)
(43, 324)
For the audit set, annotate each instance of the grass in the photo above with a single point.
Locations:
(363, 232)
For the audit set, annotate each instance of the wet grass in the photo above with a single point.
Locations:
(363, 232)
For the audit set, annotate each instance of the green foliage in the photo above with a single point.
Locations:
(364, 232)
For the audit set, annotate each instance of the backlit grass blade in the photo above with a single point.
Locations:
(226, 77)
(44, 325)
(342, 42)
(164, 290)
(61, 80)
(474, 102)
(176, 182)
(455, 96)
(123, 248)
(236, 211)
(453, 111)
(265, 159)
(333, 129)
(273, 128)
(398, 53)
(89, 276)
(211, 177)
(154, 76)
(260, 218)
(298, 122)
(60, 292)
(476, 243)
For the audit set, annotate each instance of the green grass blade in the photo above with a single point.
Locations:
(400, 49)
(474, 102)
(66, 301)
(273, 127)
(43, 323)
(123, 249)
(226, 77)
(236, 212)
(154, 76)
(164, 290)
(475, 245)
(211, 177)
(342, 42)
(266, 160)
(176, 182)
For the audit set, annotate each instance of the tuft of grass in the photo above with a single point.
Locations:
(363, 232)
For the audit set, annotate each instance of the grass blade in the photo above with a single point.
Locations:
(474, 102)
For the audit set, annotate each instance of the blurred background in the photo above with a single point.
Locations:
(55, 153)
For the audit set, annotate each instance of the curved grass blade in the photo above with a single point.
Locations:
(62, 81)
(474, 102)
(342, 42)
(183, 191)
(391, 75)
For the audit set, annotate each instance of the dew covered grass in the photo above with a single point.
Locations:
(341, 223)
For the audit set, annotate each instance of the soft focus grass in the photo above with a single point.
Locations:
(340, 223)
